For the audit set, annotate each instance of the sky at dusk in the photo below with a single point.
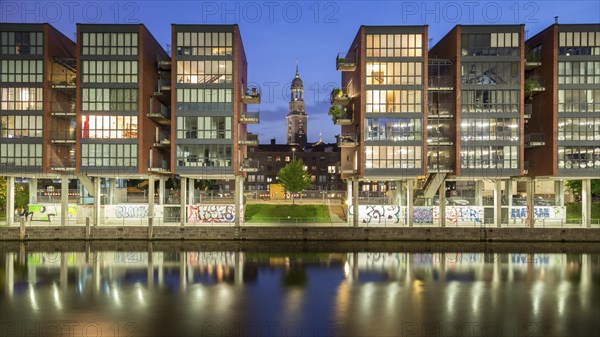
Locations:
(276, 34)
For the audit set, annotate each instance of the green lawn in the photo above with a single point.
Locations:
(286, 213)
(574, 211)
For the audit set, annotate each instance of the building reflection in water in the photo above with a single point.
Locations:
(353, 293)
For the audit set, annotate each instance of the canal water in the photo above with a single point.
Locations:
(228, 290)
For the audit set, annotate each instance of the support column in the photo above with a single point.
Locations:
(241, 196)
(161, 190)
(530, 204)
(112, 192)
(409, 201)
(191, 200)
(586, 202)
(97, 200)
(442, 200)
(498, 203)
(150, 202)
(509, 193)
(10, 200)
(182, 198)
(559, 192)
(236, 196)
(478, 193)
(64, 200)
(355, 201)
(349, 200)
(33, 190)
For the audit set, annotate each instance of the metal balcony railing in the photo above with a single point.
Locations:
(63, 136)
(441, 82)
(251, 96)
(346, 118)
(528, 110)
(250, 117)
(249, 165)
(535, 139)
(347, 140)
(339, 96)
(444, 109)
(251, 139)
(344, 63)
(62, 108)
(63, 164)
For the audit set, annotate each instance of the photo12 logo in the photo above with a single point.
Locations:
(70, 11)
(469, 12)
(269, 11)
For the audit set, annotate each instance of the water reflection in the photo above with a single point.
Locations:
(156, 293)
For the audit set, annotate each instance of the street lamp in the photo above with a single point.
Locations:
(293, 153)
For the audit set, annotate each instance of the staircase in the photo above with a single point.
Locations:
(431, 186)
(87, 182)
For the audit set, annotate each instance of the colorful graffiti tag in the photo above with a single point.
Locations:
(49, 212)
(212, 213)
(423, 215)
(131, 211)
(380, 214)
(552, 213)
(461, 215)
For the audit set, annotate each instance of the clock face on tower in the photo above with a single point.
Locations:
(296, 115)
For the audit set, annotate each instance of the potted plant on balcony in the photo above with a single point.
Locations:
(530, 85)
(335, 112)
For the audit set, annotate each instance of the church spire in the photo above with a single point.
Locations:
(297, 72)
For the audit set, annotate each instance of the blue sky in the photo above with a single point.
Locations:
(277, 33)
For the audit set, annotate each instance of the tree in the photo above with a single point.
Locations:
(2, 194)
(574, 186)
(294, 177)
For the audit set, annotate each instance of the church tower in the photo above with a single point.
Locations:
(296, 117)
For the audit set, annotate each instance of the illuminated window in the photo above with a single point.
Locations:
(109, 127)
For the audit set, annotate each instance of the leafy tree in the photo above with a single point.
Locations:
(294, 177)
(574, 186)
(2, 194)
(21, 195)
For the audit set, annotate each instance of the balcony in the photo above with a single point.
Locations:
(251, 96)
(249, 165)
(535, 140)
(441, 110)
(347, 141)
(163, 93)
(339, 97)
(159, 170)
(528, 111)
(250, 117)
(534, 85)
(441, 166)
(163, 144)
(64, 164)
(164, 65)
(347, 118)
(343, 63)
(440, 83)
(251, 140)
(63, 136)
(62, 109)
(525, 167)
(160, 117)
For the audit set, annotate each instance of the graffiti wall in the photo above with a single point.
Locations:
(423, 215)
(541, 213)
(377, 214)
(461, 215)
(212, 213)
(49, 212)
(131, 212)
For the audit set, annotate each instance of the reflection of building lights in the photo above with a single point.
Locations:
(32, 299)
(56, 296)
(347, 269)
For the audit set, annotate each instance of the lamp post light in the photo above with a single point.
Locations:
(293, 153)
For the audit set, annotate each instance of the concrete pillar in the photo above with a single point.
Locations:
(530, 202)
(10, 200)
(191, 190)
(498, 203)
(241, 198)
(349, 200)
(112, 192)
(478, 193)
(183, 197)
(442, 200)
(33, 190)
(509, 192)
(97, 200)
(559, 192)
(161, 190)
(355, 201)
(150, 200)
(64, 200)
(586, 202)
(237, 199)
(409, 201)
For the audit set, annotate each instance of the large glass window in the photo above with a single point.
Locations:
(204, 43)
(21, 71)
(393, 129)
(579, 100)
(579, 157)
(204, 155)
(579, 43)
(394, 73)
(204, 99)
(579, 129)
(584, 72)
(475, 101)
(111, 127)
(485, 157)
(490, 44)
(394, 45)
(21, 99)
(204, 71)
(394, 101)
(104, 99)
(20, 126)
(439, 130)
(109, 155)
(20, 154)
(110, 71)
(22, 43)
(204, 127)
(490, 73)
(110, 44)
(486, 129)
(409, 157)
